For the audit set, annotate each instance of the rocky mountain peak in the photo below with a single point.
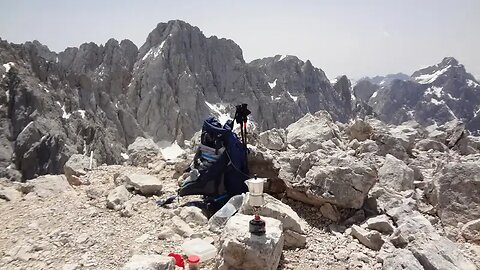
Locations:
(449, 61)
(448, 68)
(387, 79)
(163, 31)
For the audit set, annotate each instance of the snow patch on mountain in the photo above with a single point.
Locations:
(429, 78)
(472, 83)
(155, 51)
(8, 65)
(82, 113)
(437, 91)
(65, 115)
(273, 84)
(220, 111)
(437, 102)
(292, 97)
(477, 112)
(452, 97)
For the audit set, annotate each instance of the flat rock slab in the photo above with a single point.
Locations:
(146, 184)
(401, 259)
(293, 225)
(47, 185)
(239, 249)
(149, 262)
(10, 194)
(371, 239)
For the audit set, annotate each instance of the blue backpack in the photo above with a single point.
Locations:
(219, 168)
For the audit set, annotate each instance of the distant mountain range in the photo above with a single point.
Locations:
(432, 95)
(100, 98)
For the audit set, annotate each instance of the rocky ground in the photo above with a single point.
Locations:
(425, 214)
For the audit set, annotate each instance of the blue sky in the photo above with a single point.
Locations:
(356, 38)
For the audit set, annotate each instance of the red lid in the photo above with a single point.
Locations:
(178, 259)
(193, 259)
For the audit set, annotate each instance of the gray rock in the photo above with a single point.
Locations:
(192, 214)
(380, 223)
(440, 253)
(432, 250)
(181, 227)
(150, 262)
(117, 197)
(142, 152)
(359, 130)
(145, 184)
(47, 186)
(456, 194)
(367, 146)
(408, 133)
(401, 259)
(471, 231)
(167, 233)
(293, 225)
(329, 211)
(388, 144)
(395, 174)
(274, 139)
(308, 133)
(427, 144)
(239, 249)
(10, 194)
(339, 180)
(76, 166)
(354, 144)
(372, 239)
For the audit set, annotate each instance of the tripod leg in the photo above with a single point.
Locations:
(245, 145)
(241, 131)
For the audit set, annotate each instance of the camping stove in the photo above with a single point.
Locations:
(256, 200)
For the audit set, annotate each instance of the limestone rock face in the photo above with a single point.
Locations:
(401, 259)
(308, 133)
(395, 174)
(239, 249)
(427, 144)
(274, 139)
(457, 182)
(471, 231)
(342, 181)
